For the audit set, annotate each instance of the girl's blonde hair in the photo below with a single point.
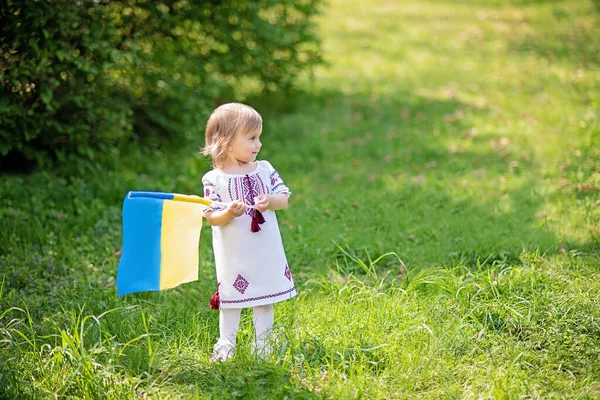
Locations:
(225, 122)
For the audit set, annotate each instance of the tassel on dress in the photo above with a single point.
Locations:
(215, 300)
(257, 219)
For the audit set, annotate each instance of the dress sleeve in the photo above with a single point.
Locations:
(277, 185)
(211, 192)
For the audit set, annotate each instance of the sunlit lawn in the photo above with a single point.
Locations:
(462, 137)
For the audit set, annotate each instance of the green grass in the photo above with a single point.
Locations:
(444, 229)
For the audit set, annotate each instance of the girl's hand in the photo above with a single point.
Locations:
(262, 203)
(236, 208)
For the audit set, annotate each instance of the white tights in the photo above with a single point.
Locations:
(229, 320)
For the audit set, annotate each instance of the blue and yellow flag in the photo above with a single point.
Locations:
(161, 232)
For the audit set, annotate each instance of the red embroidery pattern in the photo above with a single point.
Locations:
(240, 284)
(250, 189)
(287, 273)
(274, 179)
(212, 194)
(245, 188)
(258, 298)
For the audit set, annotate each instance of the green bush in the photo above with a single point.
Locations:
(56, 98)
(85, 79)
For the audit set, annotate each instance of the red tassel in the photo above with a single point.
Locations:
(257, 219)
(215, 300)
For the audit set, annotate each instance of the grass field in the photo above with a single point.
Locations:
(444, 227)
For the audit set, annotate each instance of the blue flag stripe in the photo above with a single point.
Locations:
(152, 195)
(139, 267)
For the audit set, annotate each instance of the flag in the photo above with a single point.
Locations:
(161, 233)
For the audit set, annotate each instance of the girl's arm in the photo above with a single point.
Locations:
(223, 217)
(278, 201)
(272, 202)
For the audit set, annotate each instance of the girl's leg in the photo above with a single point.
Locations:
(263, 324)
(229, 320)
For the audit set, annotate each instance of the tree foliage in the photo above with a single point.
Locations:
(83, 78)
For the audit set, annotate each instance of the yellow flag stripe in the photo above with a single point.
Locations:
(180, 235)
(191, 199)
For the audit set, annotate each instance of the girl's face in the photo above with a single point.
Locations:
(245, 147)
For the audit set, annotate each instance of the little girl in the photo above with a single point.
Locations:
(252, 270)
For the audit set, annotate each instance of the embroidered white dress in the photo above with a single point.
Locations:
(252, 269)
